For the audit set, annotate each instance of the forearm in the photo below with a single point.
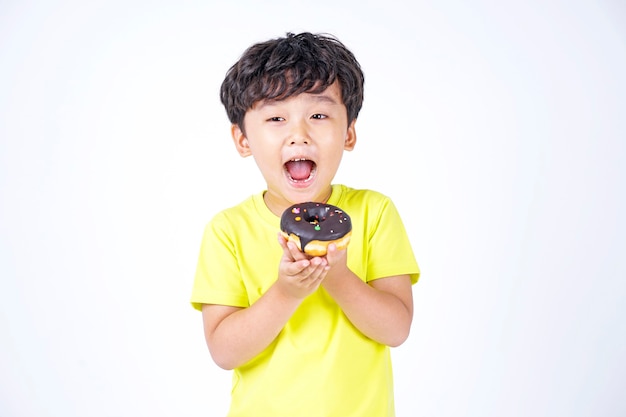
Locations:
(242, 335)
(379, 314)
(236, 335)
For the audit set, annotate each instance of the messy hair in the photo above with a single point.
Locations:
(280, 68)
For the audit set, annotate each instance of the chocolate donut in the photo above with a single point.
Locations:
(313, 226)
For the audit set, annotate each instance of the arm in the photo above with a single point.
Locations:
(382, 310)
(235, 335)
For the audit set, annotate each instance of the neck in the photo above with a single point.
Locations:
(278, 204)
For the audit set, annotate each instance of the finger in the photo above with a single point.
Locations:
(282, 240)
(317, 268)
(302, 271)
(295, 252)
(284, 243)
(334, 255)
(331, 253)
(298, 268)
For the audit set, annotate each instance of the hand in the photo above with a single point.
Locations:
(337, 261)
(298, 274)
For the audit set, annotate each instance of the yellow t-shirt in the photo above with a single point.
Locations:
(320, 365)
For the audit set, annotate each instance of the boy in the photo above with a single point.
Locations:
(306, 336)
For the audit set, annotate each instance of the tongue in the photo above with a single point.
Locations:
(299, 170)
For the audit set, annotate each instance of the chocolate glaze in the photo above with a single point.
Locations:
(315, 221)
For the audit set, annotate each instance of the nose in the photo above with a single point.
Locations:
(299, 134)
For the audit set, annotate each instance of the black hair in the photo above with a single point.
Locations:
(280, 68)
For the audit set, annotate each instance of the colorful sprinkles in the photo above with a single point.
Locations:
(305, 221)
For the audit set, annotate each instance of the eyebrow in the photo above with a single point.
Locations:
(322, 98)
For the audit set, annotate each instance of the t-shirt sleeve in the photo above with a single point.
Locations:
(218, 277)
(390, 249)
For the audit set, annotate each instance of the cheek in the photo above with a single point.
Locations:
(263, 146)
(267, 158)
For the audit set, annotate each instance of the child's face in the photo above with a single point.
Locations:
(297, 144)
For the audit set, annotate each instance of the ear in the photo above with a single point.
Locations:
(350, 137)
(240, 140)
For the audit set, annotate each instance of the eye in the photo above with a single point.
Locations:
(319, 116)
(275, 119)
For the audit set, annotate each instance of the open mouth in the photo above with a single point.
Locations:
(300, 169)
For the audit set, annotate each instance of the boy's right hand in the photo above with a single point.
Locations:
(299, 275)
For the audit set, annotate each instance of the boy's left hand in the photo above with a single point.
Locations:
(337, 260)
(336, 256)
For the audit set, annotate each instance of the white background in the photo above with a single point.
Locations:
(498, 128)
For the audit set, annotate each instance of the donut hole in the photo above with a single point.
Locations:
(315, 216)
(313, 219)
